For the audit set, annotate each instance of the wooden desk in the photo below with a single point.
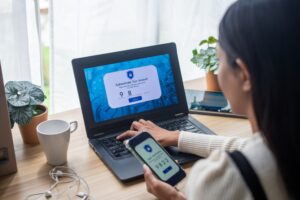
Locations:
(32, 175)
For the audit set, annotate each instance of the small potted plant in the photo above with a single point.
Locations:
(206, 58)
(25, 107)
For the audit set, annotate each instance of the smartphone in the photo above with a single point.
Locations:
(145, 148)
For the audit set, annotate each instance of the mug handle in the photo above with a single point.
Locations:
(73, 126)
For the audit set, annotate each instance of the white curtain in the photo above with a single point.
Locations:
(82, 28)
(187, 23)
(19, 46)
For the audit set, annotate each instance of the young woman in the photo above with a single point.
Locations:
(259, 49)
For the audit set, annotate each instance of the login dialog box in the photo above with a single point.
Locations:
(132, 86)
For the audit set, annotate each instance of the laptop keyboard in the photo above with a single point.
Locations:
(118, 150)
(115, 147)
(181, 124)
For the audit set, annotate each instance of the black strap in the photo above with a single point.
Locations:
(249, 175)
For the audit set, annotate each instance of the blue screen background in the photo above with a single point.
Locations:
(96, 89)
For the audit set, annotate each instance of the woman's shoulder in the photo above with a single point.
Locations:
(218, 177)
(264, 164)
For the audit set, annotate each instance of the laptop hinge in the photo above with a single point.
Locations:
(179, 115)
(98, 134)
(107, 133)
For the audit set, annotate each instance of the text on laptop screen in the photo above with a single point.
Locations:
(130, 87)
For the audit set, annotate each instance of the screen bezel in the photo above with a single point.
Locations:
(96, 129)
(136, 140)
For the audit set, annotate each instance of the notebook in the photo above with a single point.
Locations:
(7, 153)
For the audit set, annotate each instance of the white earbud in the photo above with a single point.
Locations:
(83, 195)
(48, 194)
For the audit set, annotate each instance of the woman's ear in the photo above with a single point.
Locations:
(244, 75)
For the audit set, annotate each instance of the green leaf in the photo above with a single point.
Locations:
(194, 60)
(200, 56)
(36, 96)
(213, 60)
(211, 51)
(200, 61)
(202, 51)
(35, 92)
(195, 52)
(206, 62)
(37, 111)
(16, 94)
(212, 40)
(203, 42)
(22, 115)
(216, 71)
(27, 85)
(206, 70)
(213, 67)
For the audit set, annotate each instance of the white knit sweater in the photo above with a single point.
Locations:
(217, 177)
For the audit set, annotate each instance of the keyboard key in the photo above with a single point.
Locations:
(115, 147)
(179, 124)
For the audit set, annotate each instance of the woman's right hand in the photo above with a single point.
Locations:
(163, 136)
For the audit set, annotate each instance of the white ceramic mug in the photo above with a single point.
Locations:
(54, 137)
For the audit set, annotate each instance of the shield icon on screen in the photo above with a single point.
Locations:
(148, 148)
(130, 74)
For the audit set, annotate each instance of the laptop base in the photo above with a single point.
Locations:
(129, 168)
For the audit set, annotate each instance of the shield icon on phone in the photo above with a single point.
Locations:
(130, 74)
(148, 148)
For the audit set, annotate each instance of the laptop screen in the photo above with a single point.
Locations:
(131, 87)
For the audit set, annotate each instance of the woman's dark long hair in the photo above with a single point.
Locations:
(265, 34)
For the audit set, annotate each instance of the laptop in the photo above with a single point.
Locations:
(117, 88)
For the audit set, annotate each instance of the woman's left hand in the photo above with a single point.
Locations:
(160, 189)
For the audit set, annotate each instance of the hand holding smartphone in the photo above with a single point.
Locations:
(146, 149)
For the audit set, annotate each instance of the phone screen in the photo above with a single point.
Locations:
(157, 159)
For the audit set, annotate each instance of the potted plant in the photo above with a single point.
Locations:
(206, 58)
(25, 107)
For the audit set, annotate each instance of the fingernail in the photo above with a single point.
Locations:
(144, 166)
